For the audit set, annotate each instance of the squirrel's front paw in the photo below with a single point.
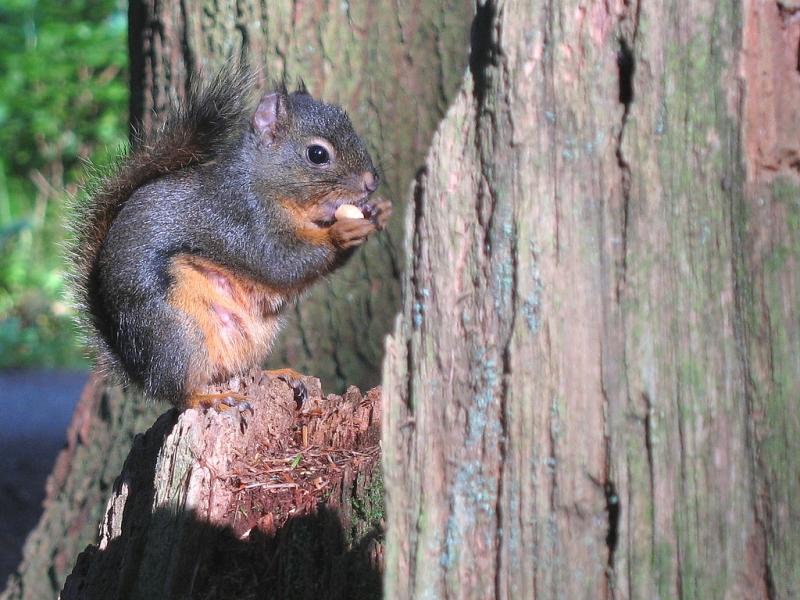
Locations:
(349, 233)
(379, 212)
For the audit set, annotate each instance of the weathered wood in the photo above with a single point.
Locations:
(280, 503)
(592, 390)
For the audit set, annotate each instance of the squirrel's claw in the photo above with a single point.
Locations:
(240, 405)
(383, 210)
(294, 379)
(378, 212)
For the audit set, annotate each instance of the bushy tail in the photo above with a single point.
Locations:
(210, 121)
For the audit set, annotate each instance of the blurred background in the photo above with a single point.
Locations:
(63, 115)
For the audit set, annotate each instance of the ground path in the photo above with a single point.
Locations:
(36, 407)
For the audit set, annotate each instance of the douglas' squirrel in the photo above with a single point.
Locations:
(189, 251)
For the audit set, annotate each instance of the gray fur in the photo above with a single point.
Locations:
(206, 184)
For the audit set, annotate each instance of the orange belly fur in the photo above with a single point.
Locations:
(237, 316)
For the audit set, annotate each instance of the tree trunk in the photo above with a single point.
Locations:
(280, 502)
(592, 389)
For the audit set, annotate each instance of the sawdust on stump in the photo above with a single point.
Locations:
(285, 502)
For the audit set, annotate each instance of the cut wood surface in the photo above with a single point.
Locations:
(282, 501)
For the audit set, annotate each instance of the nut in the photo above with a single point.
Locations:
(348, 211)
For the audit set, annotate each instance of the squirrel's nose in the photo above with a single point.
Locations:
(370, 181)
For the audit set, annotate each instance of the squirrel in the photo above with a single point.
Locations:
(187, 253)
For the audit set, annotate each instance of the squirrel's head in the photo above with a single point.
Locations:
(309, 155)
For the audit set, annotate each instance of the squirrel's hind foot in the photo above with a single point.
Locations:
(294, 379)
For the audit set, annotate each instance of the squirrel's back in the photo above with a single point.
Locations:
(196, 132)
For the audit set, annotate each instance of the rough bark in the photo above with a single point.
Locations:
(591, 391)
(280, 502)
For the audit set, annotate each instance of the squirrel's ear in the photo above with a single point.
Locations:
(269, 115)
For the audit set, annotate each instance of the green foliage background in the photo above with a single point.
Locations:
(63, 103)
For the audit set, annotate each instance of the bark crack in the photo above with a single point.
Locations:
(486, 58)
(551, 119)
(626, 67)
(769, 581)
(441, 87)
(682, 490)
(614, 510)
(417, 198)
(498, 581)
(613, 505)
(648, 444)
(648, 439)
(483, 49)
(190, 60)
(503, 410)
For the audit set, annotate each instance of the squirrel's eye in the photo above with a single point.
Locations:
(318, 155)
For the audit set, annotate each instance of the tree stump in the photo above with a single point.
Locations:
(283, 502)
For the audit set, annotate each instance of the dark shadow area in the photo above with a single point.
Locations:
(483, 48)
(173, 554)
(627, 67)
(308, 558)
